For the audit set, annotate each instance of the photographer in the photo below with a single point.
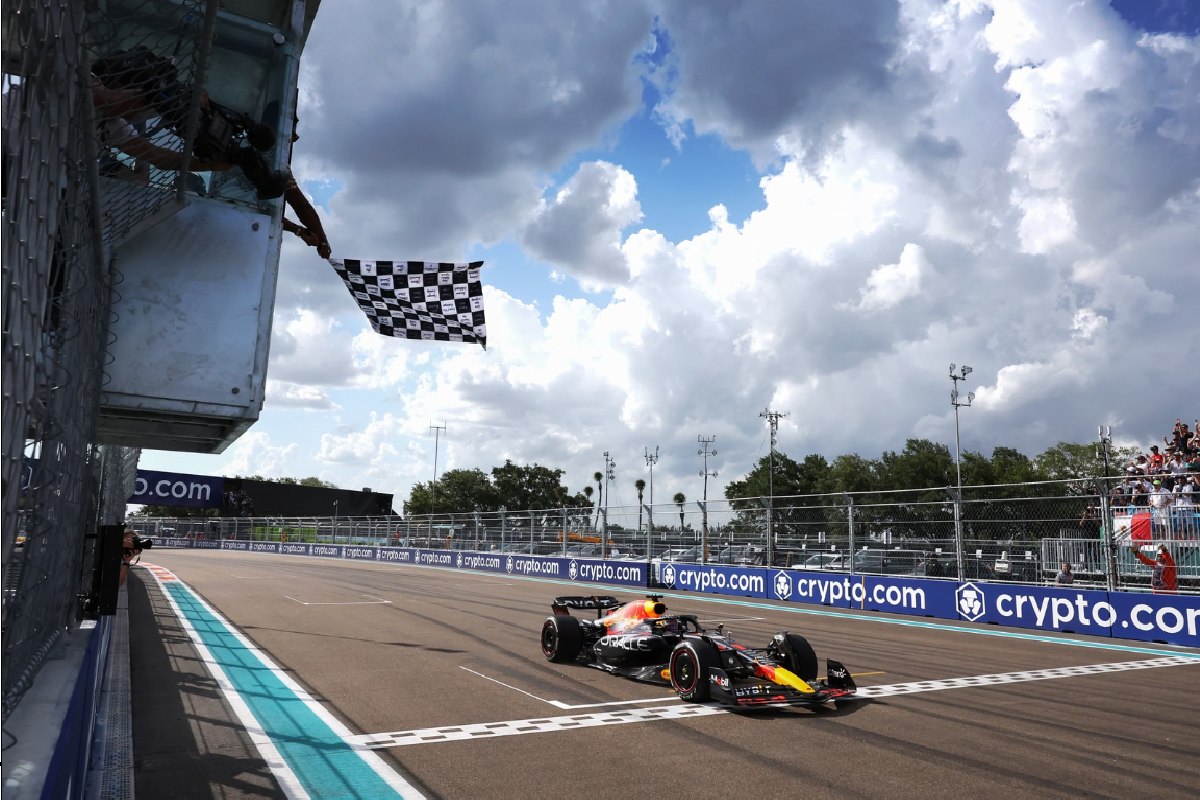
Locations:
(131, 553)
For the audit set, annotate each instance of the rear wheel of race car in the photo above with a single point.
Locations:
(562, 638)
(690, 665)
(798, 657)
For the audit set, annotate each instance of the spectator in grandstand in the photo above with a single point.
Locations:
(1118, 499)
(1154, 463)
(933, 567)
(1140, 497)
(1177, 465)
(1162, 570)
(1065, 576)
(1160, 501)
(1089, 523)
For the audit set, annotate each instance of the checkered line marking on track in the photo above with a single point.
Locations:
(538, 725)
(491, 730)
(897, 689)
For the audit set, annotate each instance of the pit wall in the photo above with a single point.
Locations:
(1166, 619)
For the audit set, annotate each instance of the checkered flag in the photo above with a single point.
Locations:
(418, 299)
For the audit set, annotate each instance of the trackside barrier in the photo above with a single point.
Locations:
(1167, 619)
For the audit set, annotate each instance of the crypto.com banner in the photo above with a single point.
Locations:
(1170, 619)
(177, 489)
(923, 598)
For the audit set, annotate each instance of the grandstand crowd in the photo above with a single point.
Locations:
(1165, 480)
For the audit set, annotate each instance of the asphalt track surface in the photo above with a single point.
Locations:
(418, 655)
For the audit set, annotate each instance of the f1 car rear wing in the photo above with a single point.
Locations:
(562, 605)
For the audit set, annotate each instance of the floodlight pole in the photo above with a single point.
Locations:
(772, 418)
(610, 475)
(651, 460)
(704, 442)
(1104, 450)
(437, 430)
(957, 495)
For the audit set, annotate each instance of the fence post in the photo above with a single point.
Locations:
(604, 533)
(649, 531)
(1106, 537)
(850, 528)
(502, 531)
(768, 504)
(564, 529)
(959, 557)
(704, 530)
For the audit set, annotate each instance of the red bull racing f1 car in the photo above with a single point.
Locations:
(639, 640)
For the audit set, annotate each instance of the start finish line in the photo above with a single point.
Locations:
(1167, 619)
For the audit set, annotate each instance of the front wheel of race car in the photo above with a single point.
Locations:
(690, 666)
(562, 638)
(798, 656)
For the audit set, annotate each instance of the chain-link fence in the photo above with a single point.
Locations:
(55, 301)
(94, 94)
(1023, 533)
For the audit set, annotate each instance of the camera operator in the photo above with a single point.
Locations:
(131, 553)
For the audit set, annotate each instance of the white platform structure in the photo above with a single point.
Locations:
(190, 330)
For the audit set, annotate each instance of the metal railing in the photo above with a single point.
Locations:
(1018, 533)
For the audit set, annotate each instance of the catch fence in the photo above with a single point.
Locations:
(68, 199)
(1022, 533)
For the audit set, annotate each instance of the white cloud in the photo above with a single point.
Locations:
(579, 230)
(1035, 164)
(253, 454)
(290, 395)
(891, 283)
(313, 350)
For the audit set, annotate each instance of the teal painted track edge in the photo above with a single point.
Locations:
(324, 763)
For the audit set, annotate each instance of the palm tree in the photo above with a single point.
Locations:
(679, 500)
(598, 477)
(588, 491)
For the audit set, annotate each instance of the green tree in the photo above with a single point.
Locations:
(922, 464)
(791, 478)
(679, 499)
(532, 487)
(459, 491)
(850, 473)
(1067, 461)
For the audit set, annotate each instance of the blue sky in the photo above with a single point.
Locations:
(906, 185)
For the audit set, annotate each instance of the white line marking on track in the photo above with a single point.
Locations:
(489, 730)
(374, 601)
(566, 706)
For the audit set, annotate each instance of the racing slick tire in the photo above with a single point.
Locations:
(562, 638)
(798, 657)
(690, 665)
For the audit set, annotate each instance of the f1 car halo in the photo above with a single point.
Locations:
(639, 640)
